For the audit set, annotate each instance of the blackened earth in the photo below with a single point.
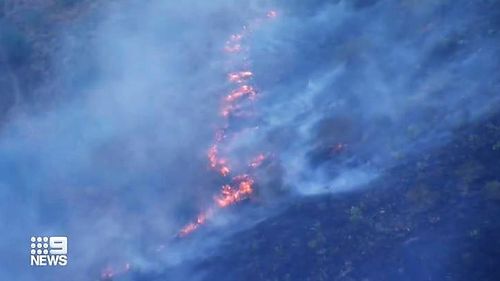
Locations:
(433, 218)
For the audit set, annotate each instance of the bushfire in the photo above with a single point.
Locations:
(241, 186)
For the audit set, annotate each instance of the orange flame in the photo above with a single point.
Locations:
(217, 163)
(241, 92)
(242, 186)
(200, 220)
(230, 195)
(194, 225)
(244, 183)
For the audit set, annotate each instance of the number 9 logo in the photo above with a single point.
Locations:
(58, 245)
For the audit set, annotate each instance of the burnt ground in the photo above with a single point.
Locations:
(432, 218)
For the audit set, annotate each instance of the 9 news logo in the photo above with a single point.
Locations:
(49, 251)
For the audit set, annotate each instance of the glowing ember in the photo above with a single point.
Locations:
(242, 91)
(257, 161)
(194, 225)
(233, 48)
(229, 109)
(212, 156)
(109, 273)
(338, 148)
(236, 37)
(219, 135)
(239, 77)
(226, 111)
(272, 14)
(216, 163)
(224, 170)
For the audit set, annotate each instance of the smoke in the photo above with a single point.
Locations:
(356, 89)
(118, 163)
